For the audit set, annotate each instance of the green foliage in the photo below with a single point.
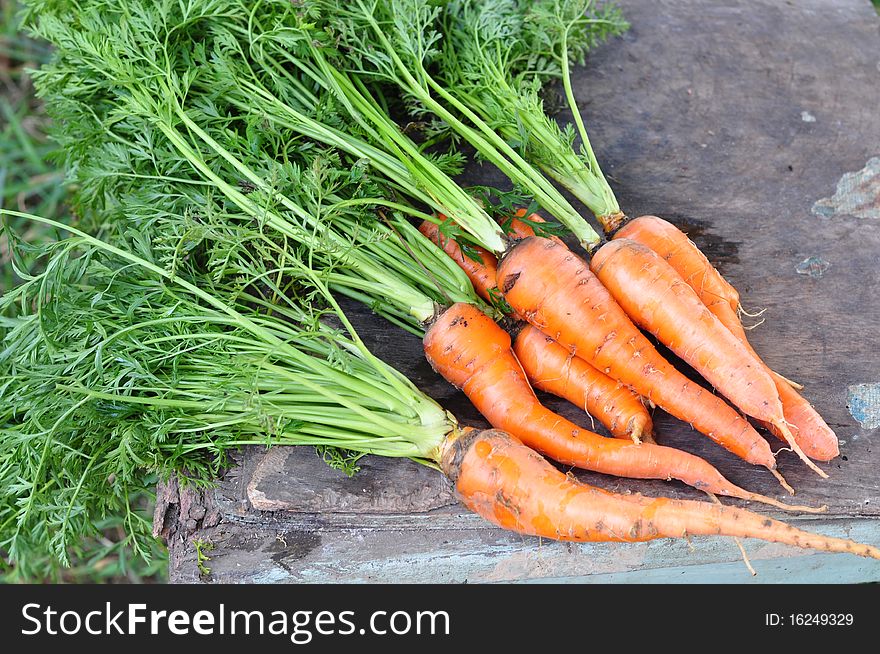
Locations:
(115, 369)
(340, 459)
(31, 181)
(199, 333)
(497, 56)
(398, 43)
(102, 558)
(202, 558)
(238, 166)
(140, 138)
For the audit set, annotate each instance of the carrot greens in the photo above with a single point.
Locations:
(498, 55)
(397, 42)
(116, 366)
(240, 169)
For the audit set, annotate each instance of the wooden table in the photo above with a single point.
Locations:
(755, 126)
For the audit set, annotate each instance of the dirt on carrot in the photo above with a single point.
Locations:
(509, 484)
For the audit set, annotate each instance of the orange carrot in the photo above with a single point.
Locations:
(811, 433)
(521, 229)
(652, 292)
(481, 273)
(555, 291)
(553, 369)
(473, 353)
(680, 252)
(611, 403)
(655, 296)
(685, 257)
(507, 483)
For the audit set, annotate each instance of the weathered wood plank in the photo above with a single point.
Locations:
(751, 124)
(274, 550)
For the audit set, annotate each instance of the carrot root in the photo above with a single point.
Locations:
(742, 550)
(549, 366)
(741, 310)
(481, 273)
(782, 426)
(473, 353)
(555, 291)
(815, 438)
(554, 369)
(502, 480)
(646, 438)
(656, 298)
(799, 508)
(782, 481)
(796, 386)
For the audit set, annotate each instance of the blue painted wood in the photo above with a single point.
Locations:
(250, 554)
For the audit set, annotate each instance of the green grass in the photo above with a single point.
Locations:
(28, 180)
(31, 182)
(103, 558)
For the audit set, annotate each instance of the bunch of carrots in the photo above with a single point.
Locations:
(274, 83)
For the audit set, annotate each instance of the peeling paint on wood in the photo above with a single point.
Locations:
(812, 266)
(858, 194)
(863, 402)
(807, 117)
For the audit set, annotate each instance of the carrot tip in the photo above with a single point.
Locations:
(782, 481)
(782, 426)
(769, 501)
(636, 435)
(792, 383)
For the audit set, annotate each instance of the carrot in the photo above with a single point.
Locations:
(679, 251)
(480, 268)
(556, 292)
(685, 257)
(521, 229)
(655, 296)
(550, 367)
(507, 483)
(811, 433)
(473, 353)
(481, 273)
(553, 369)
